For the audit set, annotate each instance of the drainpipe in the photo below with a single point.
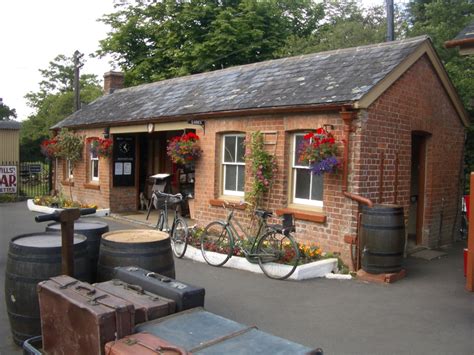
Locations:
(354, 243)
(347, 117)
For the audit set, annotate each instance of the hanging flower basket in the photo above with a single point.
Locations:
(102, 147)
(184, 149)
(50, 148)
(319, 151)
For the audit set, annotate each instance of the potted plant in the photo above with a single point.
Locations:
(319, 151)
(184, 149)
(102, 147)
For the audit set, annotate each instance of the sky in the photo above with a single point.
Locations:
(34, 32)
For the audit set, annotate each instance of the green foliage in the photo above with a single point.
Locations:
(52, 103)
(5, 198)
(156, 40)
(6, 113)
(346, 24)
(70, 146)
(263, 167)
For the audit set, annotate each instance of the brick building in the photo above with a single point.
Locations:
(392, 105)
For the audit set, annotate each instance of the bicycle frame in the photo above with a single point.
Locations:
(262, 225)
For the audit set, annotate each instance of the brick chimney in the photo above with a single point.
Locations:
(113, 80)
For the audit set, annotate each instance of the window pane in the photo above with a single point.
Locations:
(241, 177)
(93, 154)
(298, 140)
(302, 182)
(95, 168)
(240, 149)
(317, 188)
(230, 182)
(229, 149)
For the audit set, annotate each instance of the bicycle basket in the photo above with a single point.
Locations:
(159, 202)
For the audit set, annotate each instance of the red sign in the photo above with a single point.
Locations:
(8, 179)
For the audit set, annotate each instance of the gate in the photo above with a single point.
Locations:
(33, 178)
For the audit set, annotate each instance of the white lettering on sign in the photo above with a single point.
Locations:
(8, 179)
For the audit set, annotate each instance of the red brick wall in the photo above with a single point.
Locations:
(340, 211)
(84, 190)
(416, 102)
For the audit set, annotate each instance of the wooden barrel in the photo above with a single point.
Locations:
(93, 231)
(382, 238)
(148, 249)
(33, 258)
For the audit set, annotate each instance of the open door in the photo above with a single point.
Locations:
(417, 189)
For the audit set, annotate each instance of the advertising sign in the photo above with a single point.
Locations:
(8, 179)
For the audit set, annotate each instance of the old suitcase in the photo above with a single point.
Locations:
(147, 305)
(185, 295)
(142, 344)
(78, 319)
(202, 332)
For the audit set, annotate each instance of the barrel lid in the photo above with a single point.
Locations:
(135, 236)
(80, 225)
(44, 240)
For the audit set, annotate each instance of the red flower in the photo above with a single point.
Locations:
(308, 136)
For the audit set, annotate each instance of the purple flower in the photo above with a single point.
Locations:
(326, 165)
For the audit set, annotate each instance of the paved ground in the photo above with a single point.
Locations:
(429, 312)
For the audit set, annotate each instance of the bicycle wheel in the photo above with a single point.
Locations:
(216, 243)
(179, 237)
(277, 254)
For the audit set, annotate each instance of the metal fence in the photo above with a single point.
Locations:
(31, 178)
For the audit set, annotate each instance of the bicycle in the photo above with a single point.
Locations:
(179, 228)
(272, 247)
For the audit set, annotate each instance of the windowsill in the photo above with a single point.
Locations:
(92, 185)
(235, 203)
(310, 216)
(67, 182)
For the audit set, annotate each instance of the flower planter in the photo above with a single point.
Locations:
(319, 268)
(45, 209)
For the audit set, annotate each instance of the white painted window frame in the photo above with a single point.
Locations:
(224, 164)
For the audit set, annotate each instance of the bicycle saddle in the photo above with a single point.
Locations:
(263, 214)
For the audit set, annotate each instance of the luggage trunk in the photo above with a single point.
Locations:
(143, 344)
(202, 332)
(78, 319)
(148, 306)
(185, 295)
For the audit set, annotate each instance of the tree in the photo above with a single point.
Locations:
(6, 113)
(346, 24)
(53, 102)
(157, 40)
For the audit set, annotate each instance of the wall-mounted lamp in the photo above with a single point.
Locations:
(106, 132)
(328, 127)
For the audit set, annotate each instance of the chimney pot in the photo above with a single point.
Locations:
(113, 80)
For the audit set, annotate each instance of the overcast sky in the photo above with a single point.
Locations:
(33, 32)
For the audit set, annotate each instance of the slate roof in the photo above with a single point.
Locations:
(340, 76)
(466, 33)
(9, 125)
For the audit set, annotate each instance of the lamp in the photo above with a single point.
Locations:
(106, 132)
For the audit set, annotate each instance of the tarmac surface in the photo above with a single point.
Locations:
(428, 312)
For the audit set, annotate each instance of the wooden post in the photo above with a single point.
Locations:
(67, 218)
(470, 239)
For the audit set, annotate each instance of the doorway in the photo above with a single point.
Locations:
(417, 189)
